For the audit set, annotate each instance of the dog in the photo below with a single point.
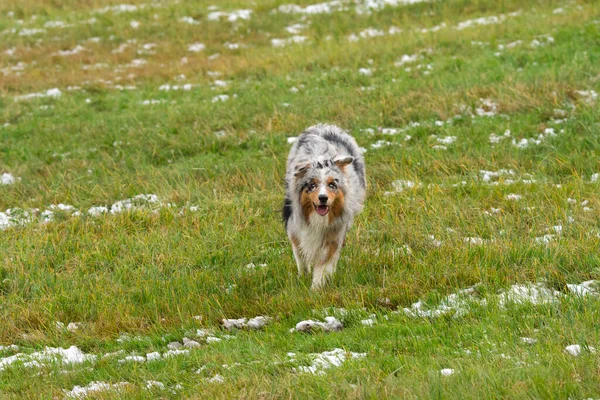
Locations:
(325, 188)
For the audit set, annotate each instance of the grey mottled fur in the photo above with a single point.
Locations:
(314, 154)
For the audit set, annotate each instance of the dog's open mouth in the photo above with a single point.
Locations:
(322, 210)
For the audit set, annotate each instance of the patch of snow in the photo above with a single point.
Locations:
(587, 288)
(230, 16)
(189, 20)
(331, 324)
(575, 349)
(325, 360)
(81, 392)
(7, 179)
(72, 355)
(528, 340)
(54, 93)
(514, 197)
(400, 185)
(217, 379)
(368, 322)
(457, 304)
(196, 47)
(284, 42)
(534, 294)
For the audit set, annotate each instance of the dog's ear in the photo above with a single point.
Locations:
(300, 169)
(342, 162)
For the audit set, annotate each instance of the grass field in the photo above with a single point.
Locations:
(142, 156)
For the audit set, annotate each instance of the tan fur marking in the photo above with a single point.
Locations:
(307, 206)
(295, 241)
(337, 207)
(332, 247)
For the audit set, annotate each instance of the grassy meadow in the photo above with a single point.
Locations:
(142, 156)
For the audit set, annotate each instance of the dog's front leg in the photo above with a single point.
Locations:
(302, 266)
(324, 270)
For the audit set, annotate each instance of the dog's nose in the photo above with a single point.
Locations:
(323, 198)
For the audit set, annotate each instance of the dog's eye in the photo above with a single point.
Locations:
(312, 187)
(332, 185)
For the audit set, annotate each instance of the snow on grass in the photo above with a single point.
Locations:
(528, 340)
(526, 142)
(406, 59)
(255, 323)
(167, 87)
(295, 29)
(368, 6)
(19, 217)
(498, 138)
(587, 288)
(231, 16)
(7, 179)
(95, 387)
(456, 304)
(325, 360)
(331, 324)
(589, 96)
(153, 101)
(529, 293)
(189, 20)
(576, 349)
(216, 379)
(513, 197)
(196, 47)
(368, 322)
(319, 8)
(296, 39)
(373, 32)
(49, 355)
(53, 93)
(489, 20)
(75, 50)
(220, 98)
(360, 6)
(400, 185)
(381, 143)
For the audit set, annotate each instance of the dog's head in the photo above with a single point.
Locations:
(321, 186)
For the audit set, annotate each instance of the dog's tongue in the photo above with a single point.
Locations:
(322, 210)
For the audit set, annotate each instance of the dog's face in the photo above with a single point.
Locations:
(321, 187)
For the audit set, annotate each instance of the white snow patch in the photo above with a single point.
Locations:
(529, 293)
(7, 179)
(284, 42)
(587, 288)
(528, 340)
(196, 47)
(231, 16)
(457, 304)
(575, 349)
(72, 355)
(325, 360)
(400, 185)
(55, 92)
(81, 392)
(331, 324)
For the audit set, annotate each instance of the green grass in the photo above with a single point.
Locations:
(148, 272)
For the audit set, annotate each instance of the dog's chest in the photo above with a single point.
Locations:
(314, 239)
